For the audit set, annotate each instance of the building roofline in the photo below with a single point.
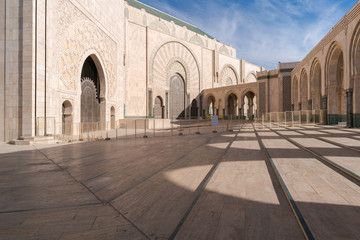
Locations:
(166, 17)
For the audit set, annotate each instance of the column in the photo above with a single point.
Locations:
(349, 108)
(323, 115)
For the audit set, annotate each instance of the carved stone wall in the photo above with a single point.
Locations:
(77, 36)
(176, 66)
(167, 54)
(226, 73)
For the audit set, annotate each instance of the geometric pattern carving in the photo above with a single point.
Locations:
(229, 82)
(82, 37)
(90, 108)
(174, 68)
(197, 40)
(164, 58)
(250, 78)
(227, 73)
(160, 26)
(177, 97)
(224, 50)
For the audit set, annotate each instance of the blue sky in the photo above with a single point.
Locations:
(263, 32)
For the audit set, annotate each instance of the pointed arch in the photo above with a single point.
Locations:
(354, 84)
(304, 89)
(315, 84)
(167, 52)
(210, 104)
(334, 73)
(228, 71)
(159, 26)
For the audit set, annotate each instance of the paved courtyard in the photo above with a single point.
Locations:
(252, 183)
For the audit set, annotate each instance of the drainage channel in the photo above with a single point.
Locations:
(201, 187)
(300, 219)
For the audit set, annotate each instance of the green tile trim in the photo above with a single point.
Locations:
(166, 17)
(356, 118)
(342, 118)
(336, 118)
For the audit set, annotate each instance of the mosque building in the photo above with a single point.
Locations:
(71, 62)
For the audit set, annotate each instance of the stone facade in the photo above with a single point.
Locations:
(327, 79)
(135, 51)
(157, 48)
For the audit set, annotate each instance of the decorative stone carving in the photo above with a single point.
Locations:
(250, 78)
(228, 73)
(197, 40)
(229, 82)
(175, 67)
(90, 107)
(224, 50)
(78, 36)
(162, 60)
(126, 13)
(160, 26)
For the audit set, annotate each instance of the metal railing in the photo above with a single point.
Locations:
(292, 118)
(130, 128)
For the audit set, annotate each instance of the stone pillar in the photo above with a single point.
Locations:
(323, 114)
(309, 116)
(243, 110)
(349, 108)
(240, 113)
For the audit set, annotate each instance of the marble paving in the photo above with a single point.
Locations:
(208, 186)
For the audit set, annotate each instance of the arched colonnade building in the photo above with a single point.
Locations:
(64, 63)
(328, 78)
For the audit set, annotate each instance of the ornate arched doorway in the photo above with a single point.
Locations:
(92, 90)
(158, 108)
(67, 118)
(177, 97)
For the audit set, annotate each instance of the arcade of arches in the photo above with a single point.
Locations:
(236, 101)
(327, 81)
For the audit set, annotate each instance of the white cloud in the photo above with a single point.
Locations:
(263, 31)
